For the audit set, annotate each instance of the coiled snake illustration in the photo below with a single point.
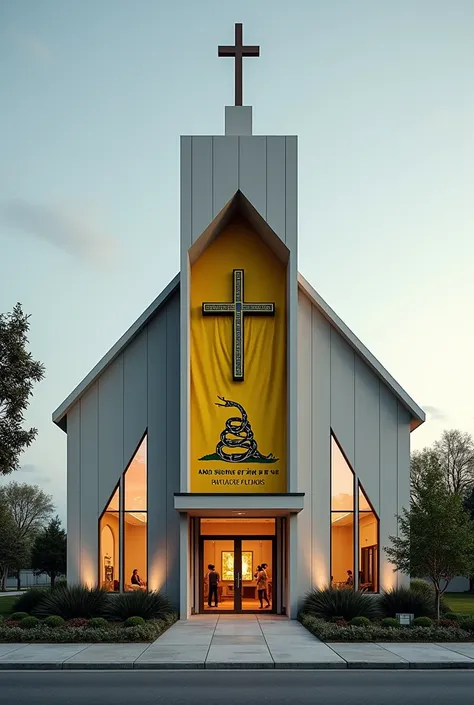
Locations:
(242, 436)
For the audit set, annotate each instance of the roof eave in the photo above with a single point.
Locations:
(417, 414)
(60, 415)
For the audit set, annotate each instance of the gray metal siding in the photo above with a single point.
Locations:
(372, 428)
(140, 390)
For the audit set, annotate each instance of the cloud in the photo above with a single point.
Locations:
(30, 468)
(34, 47)
(434, 413)
(75, 233)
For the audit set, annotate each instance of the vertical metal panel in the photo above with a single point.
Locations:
(89, 484)
(201, 168)
(291, 215)
(172, 411)
(342, 393)
(403, 469)
(184, 565)
(74, 493)
(135, 370)
(111, 463)
(388, 481)
(276, 185)
(253, 171)
(186, 193)
(321, 448)
(367, 425)
(302, 576)
(157, 451)
(225, 164)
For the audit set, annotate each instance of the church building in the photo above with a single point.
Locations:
(238, 421)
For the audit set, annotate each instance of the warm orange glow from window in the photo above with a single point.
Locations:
(342, 481)
(109, 540)
(135, 521)
(135, 481)
(368, 545)
(342, 520)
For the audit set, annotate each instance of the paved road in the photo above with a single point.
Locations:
(237, 688)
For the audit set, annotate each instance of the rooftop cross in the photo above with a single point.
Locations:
(238, 51)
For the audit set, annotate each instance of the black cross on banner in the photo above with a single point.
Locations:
(238, 308)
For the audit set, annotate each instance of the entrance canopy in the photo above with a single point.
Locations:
(238, 505)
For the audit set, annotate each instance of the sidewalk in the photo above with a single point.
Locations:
(236, 641)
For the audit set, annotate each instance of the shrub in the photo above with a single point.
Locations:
(98, 623)
(30, 599)
(359, 622)
(453, 616)
(16, 616)
(346, 604)
(422, 622)
(54, 621)
(149, 605)
(134, 622)
(389, 622)
(78, 622)
(467, 623)
(424, 587)
(406, 600)
(29, 622)
(73, 601)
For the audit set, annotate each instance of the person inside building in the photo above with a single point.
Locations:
(350, 578)
(262, 585)
(136, 580)
(213, 578)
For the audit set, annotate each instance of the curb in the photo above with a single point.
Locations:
(243, 666)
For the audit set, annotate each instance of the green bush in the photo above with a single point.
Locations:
(97, 623)
(359, 622)
(54, 621)
(326, 631)
(29, 622)
(30, 599)
(427, 589)
(422, 622)
(389, 622)
(347, 604)
(78, 622)
(453, 616)
(407, 601)
(149, 605)
(16, 616)
(134, 622)
(113, 634)
(73, 601)
(467, 623)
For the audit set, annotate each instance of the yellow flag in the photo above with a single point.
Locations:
(238, 428)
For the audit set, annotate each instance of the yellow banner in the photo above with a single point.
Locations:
(238, 366)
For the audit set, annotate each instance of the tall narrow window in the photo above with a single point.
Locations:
(342, 519)
(109, 534)
(368, 545)
(135, 521)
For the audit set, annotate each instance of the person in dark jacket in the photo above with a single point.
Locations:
(213, 578)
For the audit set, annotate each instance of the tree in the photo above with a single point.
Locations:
(436, 535)
(13, 547)
(420, 462)
(49, 551)
(18, 372)
(31, 509)
(455, 451)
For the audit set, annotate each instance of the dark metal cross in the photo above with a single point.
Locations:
(238, 308)
(239, 51)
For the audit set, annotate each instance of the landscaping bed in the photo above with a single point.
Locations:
(349, 616)
(79, 614)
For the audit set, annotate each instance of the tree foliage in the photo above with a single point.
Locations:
(455, 451)
(13, 547)
(49, 551)
(436, 535)
(18, 373)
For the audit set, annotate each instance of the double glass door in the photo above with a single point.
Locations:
(236, 561)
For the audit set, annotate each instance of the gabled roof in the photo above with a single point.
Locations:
(60, 415)
(417, 414)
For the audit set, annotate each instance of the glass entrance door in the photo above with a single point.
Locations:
(234, 578)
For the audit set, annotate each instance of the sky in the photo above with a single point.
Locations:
(93, 99)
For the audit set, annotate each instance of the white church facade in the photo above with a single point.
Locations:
(238, 421)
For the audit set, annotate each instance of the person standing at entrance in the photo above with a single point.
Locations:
(213, 578)
(262, 583)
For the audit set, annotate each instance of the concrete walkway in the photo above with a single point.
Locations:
(236, 641)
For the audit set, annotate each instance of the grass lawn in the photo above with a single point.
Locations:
(460, 602)
(6, 604)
